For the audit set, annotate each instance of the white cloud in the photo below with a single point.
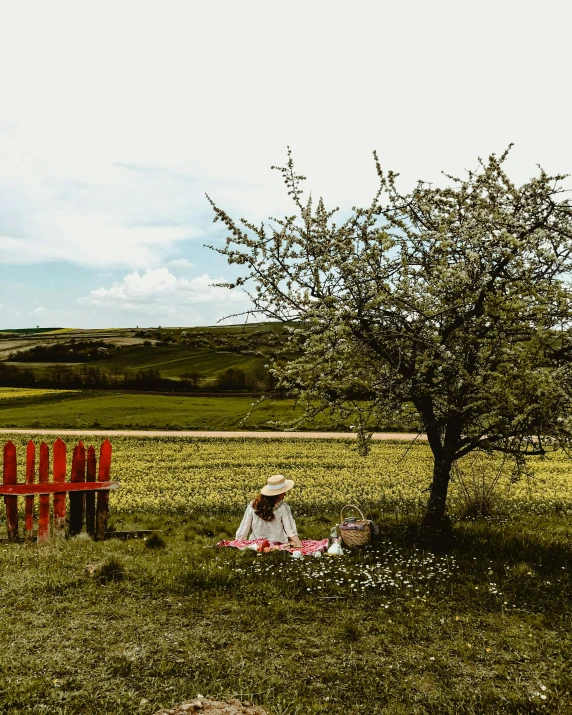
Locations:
(45, 218)
(107, 156)
(103, 176)
(38, 311)
(158, 291)
(180, 263)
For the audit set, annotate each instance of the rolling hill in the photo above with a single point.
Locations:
(211, 357)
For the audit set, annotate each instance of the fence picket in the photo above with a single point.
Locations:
(30, 476)
(103, 497)
(90, 497)
(44, 478)
(10, 477)
(82, 495)
(77, 500)
(59, 498)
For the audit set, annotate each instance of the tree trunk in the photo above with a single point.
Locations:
(435, 514)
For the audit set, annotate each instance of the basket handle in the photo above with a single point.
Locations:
(352, 506)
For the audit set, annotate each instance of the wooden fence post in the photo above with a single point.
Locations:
(103, 496)
(59, 497)
(77, 500)
(44, 478)
(30, 475)
(10, 477)
(82, 495)
(90, 496)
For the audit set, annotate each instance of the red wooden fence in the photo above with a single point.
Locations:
(81, 487)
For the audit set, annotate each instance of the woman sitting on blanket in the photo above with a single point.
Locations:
(268, 516)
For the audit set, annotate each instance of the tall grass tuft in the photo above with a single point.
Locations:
(155, 541)
(111, 570)
(479, 486)
(351, 631)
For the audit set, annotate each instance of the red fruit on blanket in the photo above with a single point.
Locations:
(264, 545)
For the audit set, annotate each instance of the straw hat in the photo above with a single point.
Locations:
(277, 484)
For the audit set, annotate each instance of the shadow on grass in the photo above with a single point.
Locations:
(541, 541)
(544, 541)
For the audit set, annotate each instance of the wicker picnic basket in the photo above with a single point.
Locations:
(356, 534)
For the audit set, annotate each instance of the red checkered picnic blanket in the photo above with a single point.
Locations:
(308, 545)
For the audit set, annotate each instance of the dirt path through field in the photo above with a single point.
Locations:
(401, 436)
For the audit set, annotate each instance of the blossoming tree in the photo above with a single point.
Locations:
(453, 300)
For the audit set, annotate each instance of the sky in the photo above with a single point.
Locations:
(117, 118)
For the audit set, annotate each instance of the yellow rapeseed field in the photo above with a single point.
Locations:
(184, 476)
(19, 393)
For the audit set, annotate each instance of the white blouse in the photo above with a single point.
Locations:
(282, 527)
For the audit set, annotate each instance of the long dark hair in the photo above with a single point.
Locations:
(264, 506)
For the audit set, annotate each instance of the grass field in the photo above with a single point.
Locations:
(30, 331)
(169, 362)
(75, 409)
(177, 361)
(397, 628)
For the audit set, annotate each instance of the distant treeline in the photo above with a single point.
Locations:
(258, 342)
(73, 351)
(93, 377)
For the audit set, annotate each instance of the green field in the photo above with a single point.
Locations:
(481, 627)
(23, 408)
(176, 362)
(29, 331)
(174, 353)
(171, 362)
